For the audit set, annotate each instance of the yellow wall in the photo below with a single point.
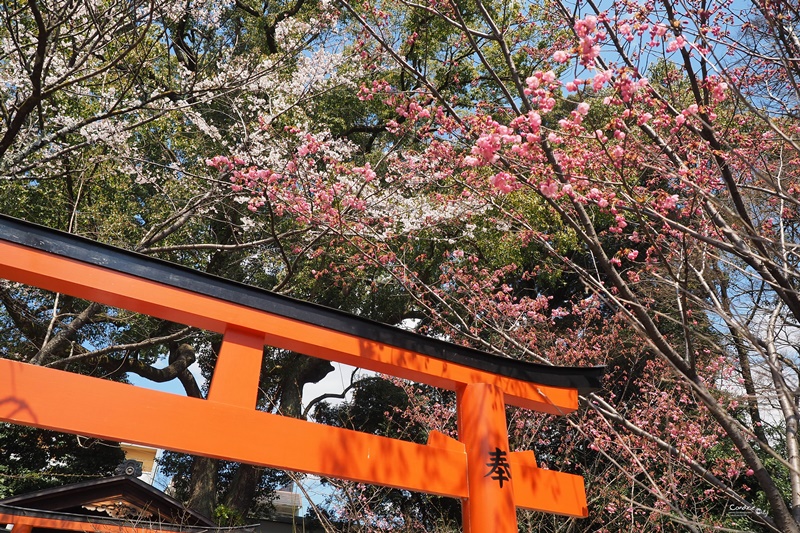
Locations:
(147, 456)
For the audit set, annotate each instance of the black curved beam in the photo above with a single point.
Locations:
(585, 379)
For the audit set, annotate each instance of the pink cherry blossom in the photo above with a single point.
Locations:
(560, 56)
(549, 188)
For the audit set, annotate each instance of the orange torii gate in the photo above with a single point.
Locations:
(479, 468)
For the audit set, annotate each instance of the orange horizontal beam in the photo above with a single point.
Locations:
(21, 523)
(543, 490)
(62, 401)
(20, 528)
(60, 274)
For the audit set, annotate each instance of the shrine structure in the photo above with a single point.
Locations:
(479, 468)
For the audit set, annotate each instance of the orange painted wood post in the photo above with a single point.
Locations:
(482, 428)
(238, 369)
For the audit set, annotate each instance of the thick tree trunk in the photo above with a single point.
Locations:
(203, 495)
(242, 492)
(299, 372)
(204, 486)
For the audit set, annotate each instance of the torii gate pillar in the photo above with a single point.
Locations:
(482, 429)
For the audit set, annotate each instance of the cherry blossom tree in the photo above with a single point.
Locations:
(658, 139)
(110, 111)
(584, 183)
(572, 183)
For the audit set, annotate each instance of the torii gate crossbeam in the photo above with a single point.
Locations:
(479, 467)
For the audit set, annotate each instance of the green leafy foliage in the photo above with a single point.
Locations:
(54, 459)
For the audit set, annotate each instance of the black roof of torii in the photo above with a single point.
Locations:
(584, 379)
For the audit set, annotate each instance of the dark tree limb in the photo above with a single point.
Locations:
(34, 99)
(66, 335)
